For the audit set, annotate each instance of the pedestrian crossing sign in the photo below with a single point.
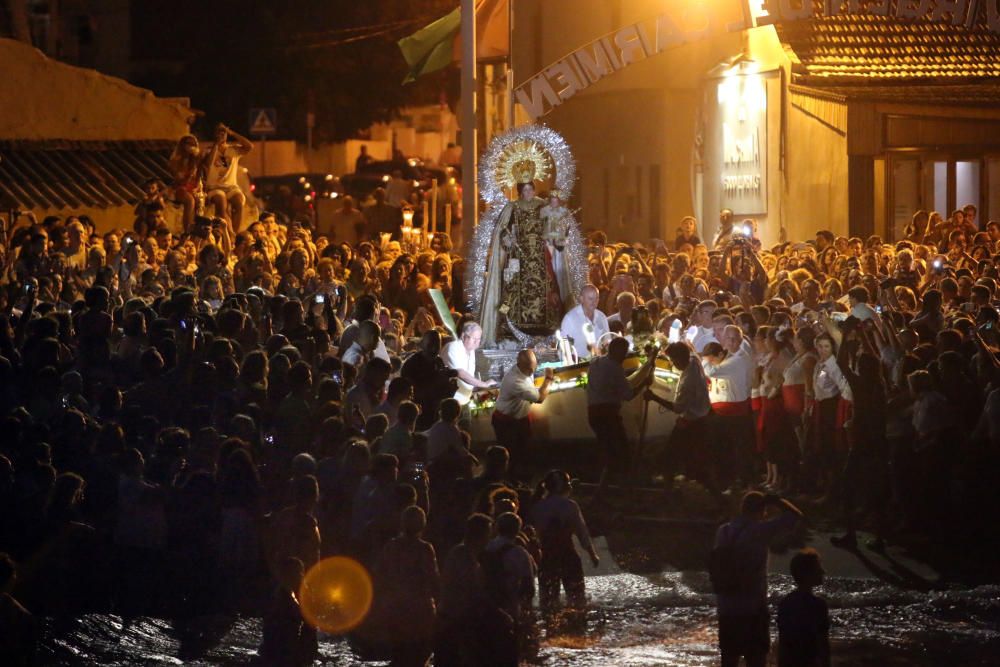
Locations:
(263, 122)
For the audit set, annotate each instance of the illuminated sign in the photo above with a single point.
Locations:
(742, 104)
(611, 53)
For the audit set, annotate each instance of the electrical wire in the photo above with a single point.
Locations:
(376, 31)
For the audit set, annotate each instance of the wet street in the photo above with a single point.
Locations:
(656, 611)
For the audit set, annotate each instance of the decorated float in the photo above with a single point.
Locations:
(526, 265)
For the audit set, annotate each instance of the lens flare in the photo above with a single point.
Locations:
(336, 595)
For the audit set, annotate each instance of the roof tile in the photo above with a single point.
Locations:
(57, 174)
(849, 48)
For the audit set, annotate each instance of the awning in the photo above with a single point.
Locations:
(58, 174)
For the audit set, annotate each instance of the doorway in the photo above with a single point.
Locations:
(936, 182)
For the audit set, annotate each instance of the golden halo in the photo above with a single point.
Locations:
(523, 162)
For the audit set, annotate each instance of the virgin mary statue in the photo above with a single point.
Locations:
(522, 288)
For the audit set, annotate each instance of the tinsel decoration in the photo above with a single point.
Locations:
(495, 196)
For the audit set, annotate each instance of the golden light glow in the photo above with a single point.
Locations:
(336, 595)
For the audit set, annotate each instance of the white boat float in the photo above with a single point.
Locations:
(562, 417)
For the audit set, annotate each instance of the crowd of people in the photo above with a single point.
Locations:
(192, 420)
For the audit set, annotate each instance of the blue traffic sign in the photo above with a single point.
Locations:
(263, 122)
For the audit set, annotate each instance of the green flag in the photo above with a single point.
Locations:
(431, 48)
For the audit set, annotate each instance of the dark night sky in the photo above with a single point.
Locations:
(229, 55)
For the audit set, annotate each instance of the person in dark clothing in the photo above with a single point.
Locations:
(432, 380)
(284, 644)
(557, 519)
(868, 457)
(744, 621)
(803, 618)
(18, 629)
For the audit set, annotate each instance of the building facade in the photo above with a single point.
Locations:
(847, 122)
(75, 141)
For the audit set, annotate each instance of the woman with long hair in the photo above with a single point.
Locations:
(185, 166)
(797, 391)
(774, 440)
(825, 411)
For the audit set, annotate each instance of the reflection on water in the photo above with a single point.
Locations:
(661, 619)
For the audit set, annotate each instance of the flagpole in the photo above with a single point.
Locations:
(470, 196)
(510, 64)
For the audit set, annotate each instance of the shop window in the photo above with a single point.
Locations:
(905, 194)
(939, 199)
(992, 211)
(966, 183)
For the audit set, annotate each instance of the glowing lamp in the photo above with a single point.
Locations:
(385, 178)
(329, 177)
(336, 595)
(302, 179)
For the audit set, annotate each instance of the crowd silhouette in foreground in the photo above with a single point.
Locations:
(192, 421)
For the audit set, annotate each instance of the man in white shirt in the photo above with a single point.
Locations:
(730, 383)
(517, 394)
(607, 388)
(584, 323)
(460, 355)
(221, 173)
(725, 233)
(366, 308)
(858, 297)
(625, 303)
(362, 349)
(701, 334)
